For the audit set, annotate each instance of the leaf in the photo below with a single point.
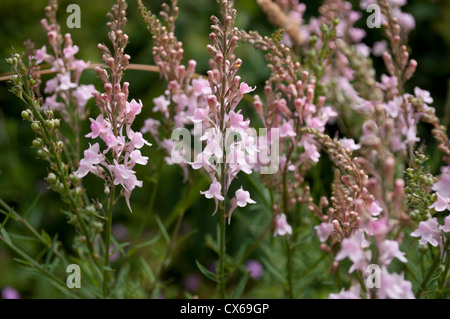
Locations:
(163, 229)
(208, 274)
(46, 237)
(273, 270)
(147, 270)
(5, 236)
(148, 242)
(241, 286)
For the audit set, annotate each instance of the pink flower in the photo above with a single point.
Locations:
(161, 104)
(286, 130)
(389, 250)
(65, 82)
(83, 94)
(91, 158)
(441, 203)
(324, 230)
(151, 126)
(10, 293)
(133, 108)
(378, 227)
(379, 48)
(237, 120)
(137, 140)
(352, 248)
(243, 197)
(244, 88)
(281, 226)
(201, 87)
(356, 34)
(353, 293)
(423, 95)
(200, 115)
(70, 51)
(214, 191)
(446, 227)
(51, 103)
(99, 126)
(41, 55)
(51, 85)
(443, 186)
(124, 176)
(375, 209)
(255, 268)
(394, 286)
(429, 232)
(137, 158)
(349, 143)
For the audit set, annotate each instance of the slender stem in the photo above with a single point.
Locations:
(108, 241)
(431, 271)
(443, 280)
(290, 285)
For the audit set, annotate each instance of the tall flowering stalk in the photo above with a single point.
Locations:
(66, 104)
(228, 143)
(121, 144)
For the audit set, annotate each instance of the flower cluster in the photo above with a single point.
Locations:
(115, 164)
(65, 93)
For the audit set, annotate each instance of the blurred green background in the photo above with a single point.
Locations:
(21, 173)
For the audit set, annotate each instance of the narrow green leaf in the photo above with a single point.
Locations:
(47, 238)
(208, 274)
(147, 270)
(162, 229)
(241, 286)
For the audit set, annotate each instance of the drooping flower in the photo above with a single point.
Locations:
(214, 191)
(281, 226)
(243, 198)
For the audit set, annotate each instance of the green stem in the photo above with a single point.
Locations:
(290, 285)
(443, 280)
(108, 241)
(431, 271)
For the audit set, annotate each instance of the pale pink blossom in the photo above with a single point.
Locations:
(429, 232)
(65, 82)
(214, 191)
(390, 249)
(99, 126)
(349, 143)
(443, 186)
(83, 94)
(281, 226)
(243, 198)
(353, 293)
(441, 203)
(375, 209)
(394, 286)
(423, 95)
(41, 55)
(92, 157)
(324, 230)
(286, 130)
(446, 227)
